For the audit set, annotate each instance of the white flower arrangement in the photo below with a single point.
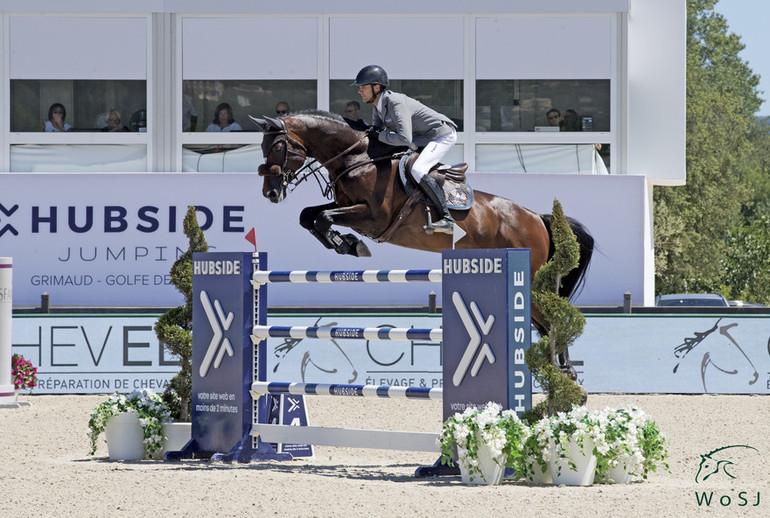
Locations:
(152, 413)
(625, 437)
(500, 430)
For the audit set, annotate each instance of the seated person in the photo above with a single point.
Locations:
(353, 116)
(571, 121)
(282, 108)
(554, 117)
(56, 115)
(113, 122)
(224, 120)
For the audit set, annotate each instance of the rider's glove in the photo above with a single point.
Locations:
(373, 132)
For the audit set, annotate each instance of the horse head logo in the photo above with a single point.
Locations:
(717, 461)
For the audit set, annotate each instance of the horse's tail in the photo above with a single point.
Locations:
(574, 280)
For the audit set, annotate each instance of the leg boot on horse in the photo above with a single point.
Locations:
(435, 194)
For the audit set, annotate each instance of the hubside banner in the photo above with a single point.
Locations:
(486, 328)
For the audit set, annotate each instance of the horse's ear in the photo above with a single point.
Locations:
(259, 122)
(276, 123)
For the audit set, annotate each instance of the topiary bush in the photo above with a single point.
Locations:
(566, 323)
(174, 328)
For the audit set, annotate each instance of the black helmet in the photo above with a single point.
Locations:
(371, 75)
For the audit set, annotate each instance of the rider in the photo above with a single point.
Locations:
(399, 120)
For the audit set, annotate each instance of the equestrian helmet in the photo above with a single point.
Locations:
(371, 75)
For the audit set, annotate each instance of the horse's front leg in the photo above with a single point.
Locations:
(307, 219)
(319, 222)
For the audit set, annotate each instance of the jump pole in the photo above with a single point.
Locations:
(486, 330)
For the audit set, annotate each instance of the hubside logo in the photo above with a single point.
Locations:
(7, 227)
(485, 326)
(220, 324)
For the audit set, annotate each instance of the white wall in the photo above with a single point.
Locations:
(654, 133)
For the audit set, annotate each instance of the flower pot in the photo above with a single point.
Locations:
(125, 440)
(177, 435)
(619, 474)
(492, 469)
(585, 464)
(539, 477)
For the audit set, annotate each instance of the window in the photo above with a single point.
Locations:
(524, 105)
(86, 103)
(444, 96)
(246, 97)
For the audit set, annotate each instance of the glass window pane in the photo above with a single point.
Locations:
(87, 103)
(78, 158)
(221, 158)
(524, 105)
(538, 159)
(252, 97)
(444, 96)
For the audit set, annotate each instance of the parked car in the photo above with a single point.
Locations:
(744, 304)
(691, 299)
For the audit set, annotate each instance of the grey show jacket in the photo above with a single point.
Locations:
(409, 121)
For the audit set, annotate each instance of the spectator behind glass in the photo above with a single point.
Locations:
(353, 116)
(554, 117)
(189, 115)
(282, 108)
(56, 115)
(224, 120)
(113, 122)
(571, 121)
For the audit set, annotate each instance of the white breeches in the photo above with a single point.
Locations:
(432, 155)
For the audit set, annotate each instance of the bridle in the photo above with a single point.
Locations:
(290, 178)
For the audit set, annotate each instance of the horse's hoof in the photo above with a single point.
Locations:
(362, 250)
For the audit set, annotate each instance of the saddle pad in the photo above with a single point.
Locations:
(459, 196)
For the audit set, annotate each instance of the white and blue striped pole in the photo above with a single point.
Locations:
(336, 389)
(370, 276)
(260, 332)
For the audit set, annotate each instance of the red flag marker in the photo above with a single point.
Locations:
(252, 238)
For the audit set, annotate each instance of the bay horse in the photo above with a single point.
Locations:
(369, 196)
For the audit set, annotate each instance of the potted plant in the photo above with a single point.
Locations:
(133, 424)
(483, 442)
(573, 438)
(633, 445)
(24, 374)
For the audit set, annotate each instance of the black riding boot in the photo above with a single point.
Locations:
(432, 189)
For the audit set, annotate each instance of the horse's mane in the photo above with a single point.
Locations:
(321, 114)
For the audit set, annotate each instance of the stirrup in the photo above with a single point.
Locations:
(444, 226)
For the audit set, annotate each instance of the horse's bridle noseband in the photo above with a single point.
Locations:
(287, 175)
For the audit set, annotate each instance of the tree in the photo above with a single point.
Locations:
(174, 328)
(692, 221)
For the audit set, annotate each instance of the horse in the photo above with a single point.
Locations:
(370, 198)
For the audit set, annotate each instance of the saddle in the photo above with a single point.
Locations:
(451, 178)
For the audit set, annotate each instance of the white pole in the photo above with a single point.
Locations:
(6, 314)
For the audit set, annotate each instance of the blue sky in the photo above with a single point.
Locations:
(749, 19)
